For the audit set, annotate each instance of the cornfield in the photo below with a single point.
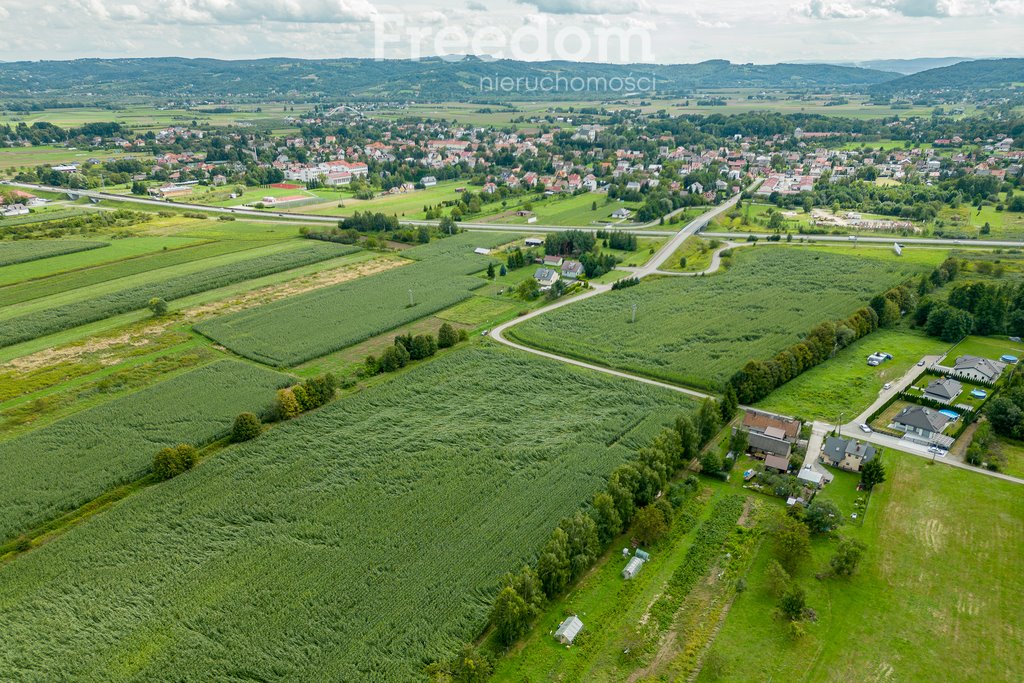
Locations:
(356, 542)
(21, 251)
(66, 464)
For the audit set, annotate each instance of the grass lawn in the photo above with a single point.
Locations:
(846, 383)
(986, 347)
(938, 596)
(568, 210)
(406, 205)
(645, 249)
(697, 251)
(1014, 452)
(609, 607)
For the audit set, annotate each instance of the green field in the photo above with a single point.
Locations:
(846, 383)
(119, 249)
(406, 205)
(46, 316)
(62, 466)
(24, 251)
(700, 330)
(987, 347)
(567, 210)
(359, 541)
(938, 596)
(698, 253)
(297, 329)
(147, 263)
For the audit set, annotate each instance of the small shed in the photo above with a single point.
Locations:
(810, 477)
(568, 630)
(642, 554)
(482, 251)
(534, 241)
(632, 568)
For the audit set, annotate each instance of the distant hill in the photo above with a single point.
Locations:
(427, 79)
(909, 66)
(979, 76)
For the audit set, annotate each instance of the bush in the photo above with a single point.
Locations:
(171, 461)
(287, 406)
(447, 336)
(247, 426)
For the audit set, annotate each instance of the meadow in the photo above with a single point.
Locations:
(699, 331)
(567, 210)
(297, 329)
(23, 251)
(846, 384)
(47, 320)
(64, 465)
(937, 597)
(356, 542)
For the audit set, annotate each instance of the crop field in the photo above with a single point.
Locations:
(17, 157)
(66, 464)
(296, 329)
(23, 251)
(358, 541)
(118, 249)
(147, 263)
(938, 596)
(43, 321)
(698, 331)
(300, 328)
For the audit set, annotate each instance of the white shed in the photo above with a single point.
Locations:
(632, 568)
(568, 629)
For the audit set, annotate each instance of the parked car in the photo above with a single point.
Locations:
(887, 386)
(941, 452)
(920, 363)
(864, 428)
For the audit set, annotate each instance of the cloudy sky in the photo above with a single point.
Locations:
(759, 31)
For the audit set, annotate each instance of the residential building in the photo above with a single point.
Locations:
(943, 390)
(978, 369)
(920, 423)
(572, 270)
(756, 421)
(846, 454)
(546, 277)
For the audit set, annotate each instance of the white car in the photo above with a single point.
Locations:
(887, 386)
(864, 428)
(920, 363)
(941, 452)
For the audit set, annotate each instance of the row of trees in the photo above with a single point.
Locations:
(308, 395)
(410, 348)
(759, 378)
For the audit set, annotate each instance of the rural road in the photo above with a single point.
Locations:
(922, 241)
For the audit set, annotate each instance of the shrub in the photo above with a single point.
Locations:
(287, 406)
(247, 426)
(171, 461)
(447, 336)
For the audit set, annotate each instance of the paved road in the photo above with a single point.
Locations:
(921, 241)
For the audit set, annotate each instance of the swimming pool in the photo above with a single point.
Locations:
(950, 414)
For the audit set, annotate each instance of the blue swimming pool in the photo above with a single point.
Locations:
(978, 393)
(950, 414)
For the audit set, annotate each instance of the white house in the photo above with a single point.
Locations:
(978, 369)
(428, 181)
(568, 629)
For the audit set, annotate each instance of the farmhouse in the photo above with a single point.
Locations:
(919, 422)
(428, 181)
(943, 390)
(846, 454)
(572, 270)
(769, 443)
(978, 369)
(553, 261)
(568, 629)
(546, 277)
(632, 567)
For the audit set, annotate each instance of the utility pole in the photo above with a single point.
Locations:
(411, 304)
(634, 314)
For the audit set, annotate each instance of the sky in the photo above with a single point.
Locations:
(661, 31)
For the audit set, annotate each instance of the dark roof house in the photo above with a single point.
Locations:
(920, 420)
(760, 422)
(943, 389)
(846, 454)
